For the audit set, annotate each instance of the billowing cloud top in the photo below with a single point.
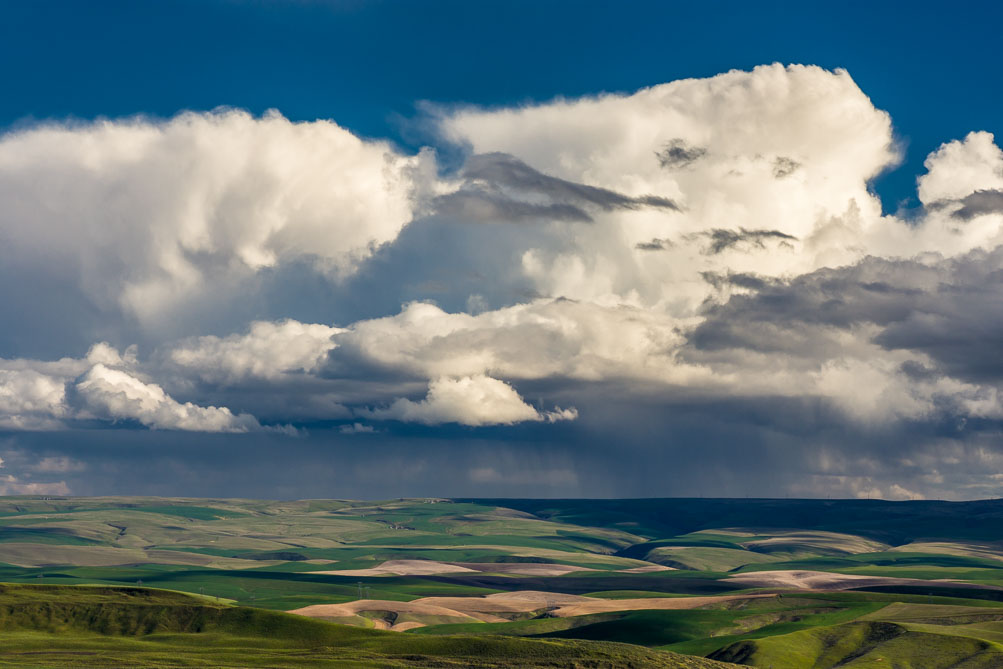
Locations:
(708, 240)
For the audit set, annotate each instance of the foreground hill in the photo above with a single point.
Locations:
(60, 626)
(867, 644)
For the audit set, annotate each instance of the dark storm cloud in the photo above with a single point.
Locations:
(917, 371)
(324, 463)
(743, 280)
(481, 204)
(784, 167)
(749, 446)
(678, 154)
(722, 239)
(497, 185)
(979, 203)
(951, 310)
(654, 245)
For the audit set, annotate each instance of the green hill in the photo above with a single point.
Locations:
(861, 644)
(82, 626)
(881, 520)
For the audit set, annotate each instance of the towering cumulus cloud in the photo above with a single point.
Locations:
(699, 262)
(712, 146)
(150, 216)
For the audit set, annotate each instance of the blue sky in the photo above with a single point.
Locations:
(501, 248)
(365, 63)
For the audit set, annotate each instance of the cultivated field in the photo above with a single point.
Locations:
(604, 583)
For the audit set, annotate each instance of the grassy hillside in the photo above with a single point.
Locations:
(865, 644)
(58, 626)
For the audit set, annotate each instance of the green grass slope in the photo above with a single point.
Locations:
(864, 644)
(59, 626)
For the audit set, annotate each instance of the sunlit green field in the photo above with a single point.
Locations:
(782, 582)
(59, 626)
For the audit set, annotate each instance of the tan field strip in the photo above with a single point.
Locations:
(986, 551)
(523, 551)
(524, 568)
(523, 601)
(494, 608)
(828, 581)
(646, 569)
(809, 541)
(402, 568)
(418, 607)
(433, 567)
(644, 604)
(808, 580)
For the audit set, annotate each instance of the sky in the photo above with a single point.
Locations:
(370, 249)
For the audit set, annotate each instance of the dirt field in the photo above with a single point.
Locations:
(828, 581)
(646, 603)
(523, 601)
(986, 551)
(419, 607)
(495, 608)
(647, 569)
(431, 567)
(402, 568)
(523, 568)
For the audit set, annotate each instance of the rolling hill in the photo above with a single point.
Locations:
(59, 626)
(610, 580)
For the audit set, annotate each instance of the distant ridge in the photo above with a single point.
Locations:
(894, 522)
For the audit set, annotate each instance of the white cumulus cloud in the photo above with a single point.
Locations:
(268, 350)
(115, 394)
(30, 399)
(142, 214)
(962, 167)
(469, 400)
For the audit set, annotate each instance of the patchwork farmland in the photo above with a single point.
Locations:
(419, 582)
